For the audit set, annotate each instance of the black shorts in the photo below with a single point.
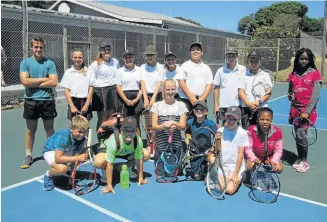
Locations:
(246, 120)
(133, 111)
(105, 99)
(34, 109)
(79, 103)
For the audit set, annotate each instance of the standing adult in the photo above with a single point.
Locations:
(39, 75)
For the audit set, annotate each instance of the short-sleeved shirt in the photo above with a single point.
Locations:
(302, 86)
(77, 82)
(227, 81)
(204, 137)
(167, 112)
(104, 74)
(197, 76)
(275, 146)
(172, 75)
(64, 141)
(262, 82)
(151, 75)
(38, 69)
(128, 79)
(112, 152)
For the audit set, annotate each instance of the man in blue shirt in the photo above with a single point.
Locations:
(203, 136)
(39, 75)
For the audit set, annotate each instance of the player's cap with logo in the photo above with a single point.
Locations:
(201, 104)
(234, 111)
(254, 55)
(129, 122)
(197, 44)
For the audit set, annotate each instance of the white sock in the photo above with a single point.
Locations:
(28, 152)
(104, 175)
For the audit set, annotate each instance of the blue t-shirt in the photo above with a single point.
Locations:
(203, 137)
(63, 140)
(38, 69)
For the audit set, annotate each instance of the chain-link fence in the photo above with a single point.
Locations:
(64, 32)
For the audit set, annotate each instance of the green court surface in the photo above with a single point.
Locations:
(309, 185)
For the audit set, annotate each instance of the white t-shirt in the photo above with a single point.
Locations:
(151, 75)
(76, 82)
(230, 143)
(227, 81)
(103, 75)
(128, 79)
(161, 108)
(172, 75)
(197, 76)
(261, 80)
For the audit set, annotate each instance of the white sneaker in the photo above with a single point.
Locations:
(296, 164)
(303, 167)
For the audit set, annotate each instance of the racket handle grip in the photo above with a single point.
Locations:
(170, 138)
(89, 138)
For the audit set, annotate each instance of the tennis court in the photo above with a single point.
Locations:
(302, 199)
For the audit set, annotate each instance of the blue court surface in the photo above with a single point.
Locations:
(303, 197)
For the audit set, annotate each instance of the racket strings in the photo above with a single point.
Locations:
(304, 132)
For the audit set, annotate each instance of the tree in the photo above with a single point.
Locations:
(35, 4)
(288, 21)
(313, 26)
(188, 20)
(247, 25)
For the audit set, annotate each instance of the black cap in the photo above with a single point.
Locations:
(169, 53)
(231, 51)
(128, 52)
(196, 44)
(234, 111)
(105, 43)
(202, 104)
(129, 122)
(254, 55)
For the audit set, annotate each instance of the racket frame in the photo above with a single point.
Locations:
(148, 132)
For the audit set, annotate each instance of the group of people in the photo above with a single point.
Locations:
(171, 92)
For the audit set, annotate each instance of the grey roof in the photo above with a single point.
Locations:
(127, 14)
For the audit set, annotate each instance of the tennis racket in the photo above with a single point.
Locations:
(167, 164)
(147, 126)
(262, 85)
(216, 181)
(84, 175)
(265, 184)
(201, 142)
(303, 131)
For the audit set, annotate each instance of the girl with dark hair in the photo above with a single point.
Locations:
(304, 91)
(255, 151)
(78, 91)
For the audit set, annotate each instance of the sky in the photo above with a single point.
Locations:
(223, 15)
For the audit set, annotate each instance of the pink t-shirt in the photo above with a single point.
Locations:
(302, 86)
(256, 144)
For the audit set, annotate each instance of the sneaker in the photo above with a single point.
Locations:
(296, 164)
(132, 174)
(303, 167)
(27, 162)
(47, 183)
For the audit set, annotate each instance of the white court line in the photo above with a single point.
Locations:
(90, 204)
(303, 199)
(278, 124)
(277, 98)
(21, 183)
(278, 114)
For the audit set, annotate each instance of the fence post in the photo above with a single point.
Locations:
(89, 30)
(154, 37)
(323, 48)
(65, 49)
(277, 58)
(25, 30)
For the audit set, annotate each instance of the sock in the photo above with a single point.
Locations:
(104, 175)
(47, 173)
(28, 152)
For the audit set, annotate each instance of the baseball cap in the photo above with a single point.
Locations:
(254, 55)
(128, 52)
(196, 44)
(201, 104)
(105, 43)
(234, 111)
(170, 53)
(150, 50)
(129, 122)
(231, 51)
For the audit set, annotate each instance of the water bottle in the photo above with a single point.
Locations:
(124, 177)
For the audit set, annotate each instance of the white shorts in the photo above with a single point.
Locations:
(229, 171)
(49, 157)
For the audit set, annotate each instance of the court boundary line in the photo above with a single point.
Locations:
(21, 183)
(280, 114)
(280, 124)
(90, 204)
(276, 98)
(303, 199)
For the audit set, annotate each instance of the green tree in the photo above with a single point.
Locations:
(313, 26)
(247, 25)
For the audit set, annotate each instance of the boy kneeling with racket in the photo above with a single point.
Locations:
(63, 147)
(130, 148)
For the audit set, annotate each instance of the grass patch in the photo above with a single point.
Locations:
(283, 74)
